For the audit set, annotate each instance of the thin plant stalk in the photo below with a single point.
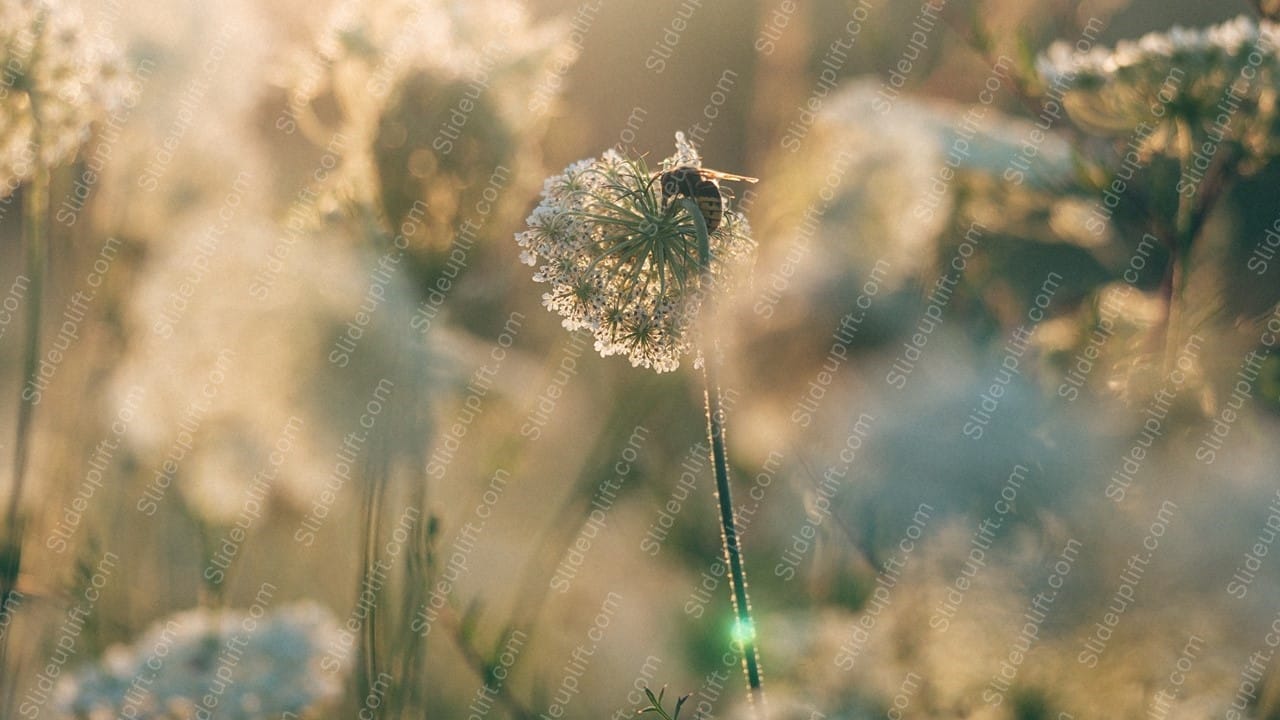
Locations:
(1174, 281)
(35, 203)
(483, 667)
(744, 627)
(374, 500)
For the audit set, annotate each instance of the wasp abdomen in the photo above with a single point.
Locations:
(702, 188)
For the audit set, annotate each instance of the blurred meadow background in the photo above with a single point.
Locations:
(286, 431)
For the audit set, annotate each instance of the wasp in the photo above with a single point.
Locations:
(702, 186)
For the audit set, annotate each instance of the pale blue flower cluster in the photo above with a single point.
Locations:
(229, 664)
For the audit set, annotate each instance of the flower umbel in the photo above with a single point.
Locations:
(623, 261)
(1185, 74)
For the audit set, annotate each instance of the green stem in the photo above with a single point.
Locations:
(34, 206)
(1179, 251)
(375, 492)
(745, 628)
(482, 666)
(35, 200)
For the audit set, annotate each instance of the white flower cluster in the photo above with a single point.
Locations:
(623, 261)
(1186, 72)
(248, 666)
(483, 57)
(54, 82)
(433, 101)
(1179, 46)
(450, 38)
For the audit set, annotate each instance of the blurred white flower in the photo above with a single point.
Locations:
(54, 81)
(622, 258)
(392, 38)
(878, 165)
(416, 84)
(1184, 74)
(1160, 51)
(255, 665)
(231, 377)
(877, 191)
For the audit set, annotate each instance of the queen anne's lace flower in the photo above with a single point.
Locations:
(53, 83)
(253, 665)
(623, 261)
(1161, 50)
(1182, 75)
